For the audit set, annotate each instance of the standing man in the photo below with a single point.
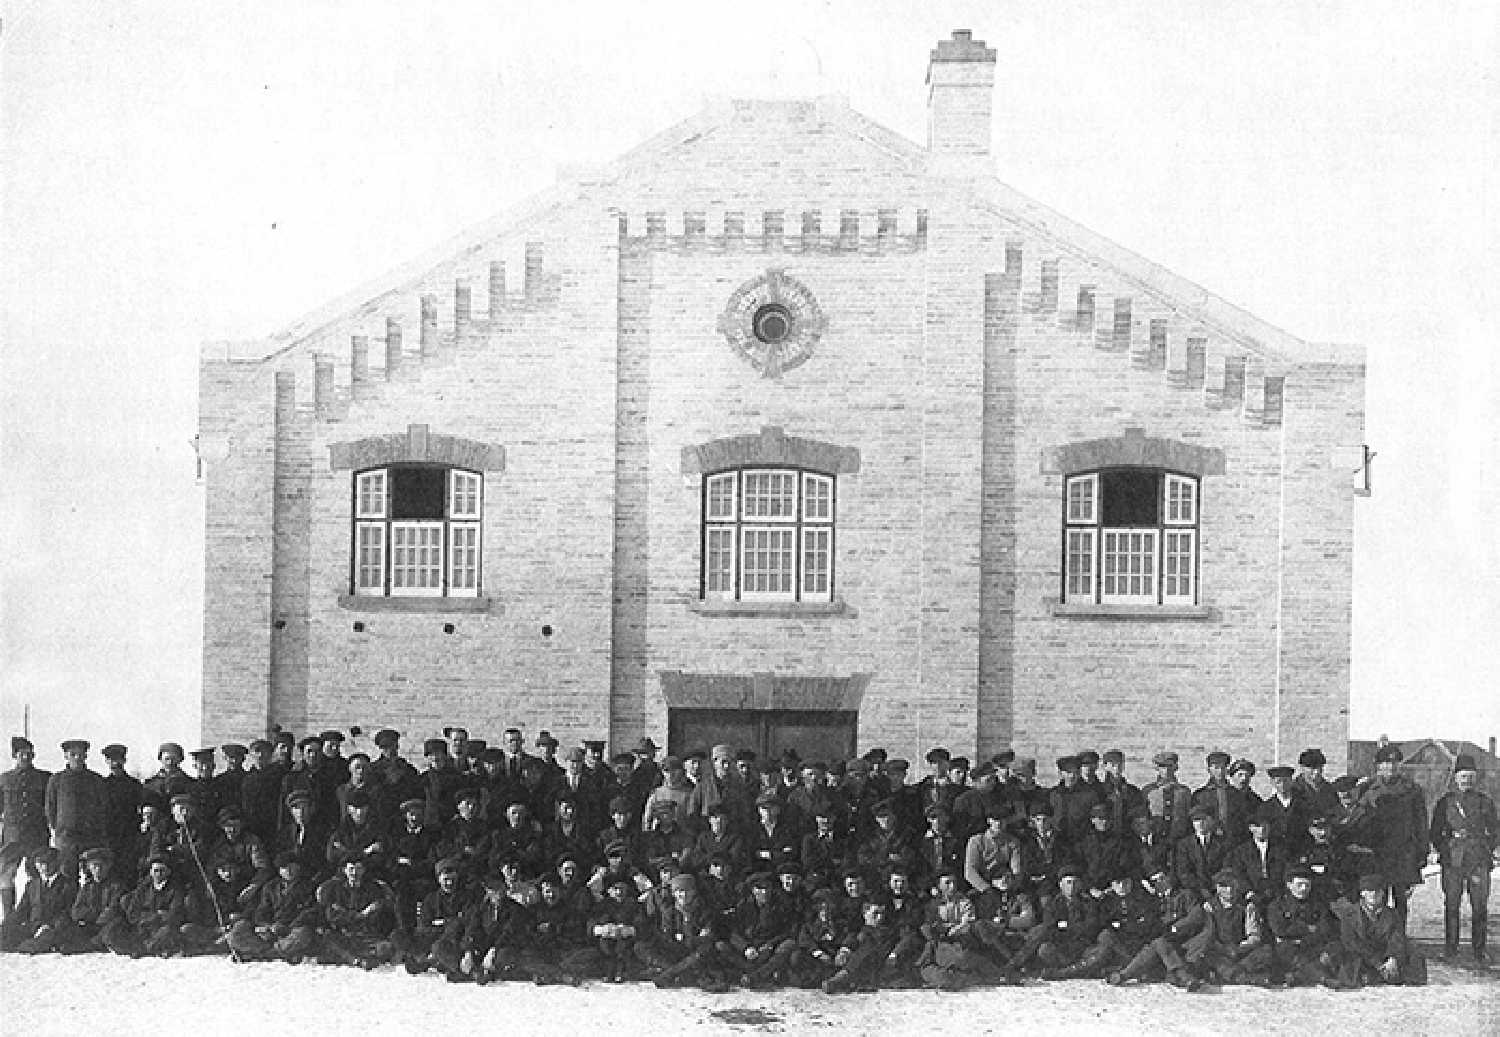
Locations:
(75, 807)
(1169, 800)
(122, 805)
(1464, 832)
(1398, 826)
(1315, 790)
(23, 823)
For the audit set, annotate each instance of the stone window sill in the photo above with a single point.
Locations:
(371, 603)
(837, 607)
(1132, 612)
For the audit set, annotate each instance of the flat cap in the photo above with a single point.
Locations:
(1113, 756)
(228, 814)
(768, 799)
(75, 745)
(1219, 757)
(454, 729)
(204, 755)
(1372, 880)
(387, 736)
(163, 749)
(413, 806)
(434, 747)
(1166, 758)
(574, 754)
(331, 736)
(114, 751)
(297, 796)
(594, 745)
(1282, 771)
(646, 745)
(545, 739)
(1312, 758)
(233, 751)
(1242, 764)
(1068, 763)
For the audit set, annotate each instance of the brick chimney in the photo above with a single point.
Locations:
(961, 82)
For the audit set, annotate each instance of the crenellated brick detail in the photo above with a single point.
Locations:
(878, 231)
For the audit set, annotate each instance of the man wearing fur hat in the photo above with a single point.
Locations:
(1397, 811)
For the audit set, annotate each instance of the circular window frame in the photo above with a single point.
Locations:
(755, 304)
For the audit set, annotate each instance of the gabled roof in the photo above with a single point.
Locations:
(989, 193)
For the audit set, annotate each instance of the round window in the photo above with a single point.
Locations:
(772, 323)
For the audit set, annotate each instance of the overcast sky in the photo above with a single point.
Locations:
(183, 172)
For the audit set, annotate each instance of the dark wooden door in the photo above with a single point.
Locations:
(825, 735)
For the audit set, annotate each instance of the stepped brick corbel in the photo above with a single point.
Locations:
(534, 287)
(429, 326)
(359, 366)
(323, 396)
(392, 347)
(462, 303)
(497, 288)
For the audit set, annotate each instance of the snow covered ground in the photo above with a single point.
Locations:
(104, 994)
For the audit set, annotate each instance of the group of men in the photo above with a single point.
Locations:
(718, 868)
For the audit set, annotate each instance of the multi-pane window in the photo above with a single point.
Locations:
(768, 535)
(1130, 537)
(417, 532)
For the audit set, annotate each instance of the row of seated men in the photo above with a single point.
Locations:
(677, 925)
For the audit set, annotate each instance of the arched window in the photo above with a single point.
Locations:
(768, 535)
(1130, 537)
(417, 531)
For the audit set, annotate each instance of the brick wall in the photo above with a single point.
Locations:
(965, 344)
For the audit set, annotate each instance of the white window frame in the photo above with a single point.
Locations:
(792, 509)
(1090, 545)
(450, 568)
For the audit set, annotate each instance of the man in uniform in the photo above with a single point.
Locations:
(23, 823)
(1315, 790)
(1464, 832)
(201, 785)
(122, 804)
(1398, 824)
(1168, 799)
(170, 779)
(1286, 811)
(75, 806)
(260, 792)
(1125, 801)
(228, 786)
(390, 771)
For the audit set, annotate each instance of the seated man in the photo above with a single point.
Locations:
(1070, 922)
(1231, 947)
(1181, 916)
(952, 960)
(153, 912)
(41, 917)
(358, 915)
(685, 944)
(498, 927)
(1304, 933)
(764, 929)
(1375, 949)
(437, 935)
(95, 912)
(864, 955)
(283, 922)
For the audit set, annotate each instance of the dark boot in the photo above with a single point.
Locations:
(1450, 934)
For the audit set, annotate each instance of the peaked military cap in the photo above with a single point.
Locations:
(387, 736)
(75, 745)
(1312, 758)
(114, 751)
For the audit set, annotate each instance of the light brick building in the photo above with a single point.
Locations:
(793, 432)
